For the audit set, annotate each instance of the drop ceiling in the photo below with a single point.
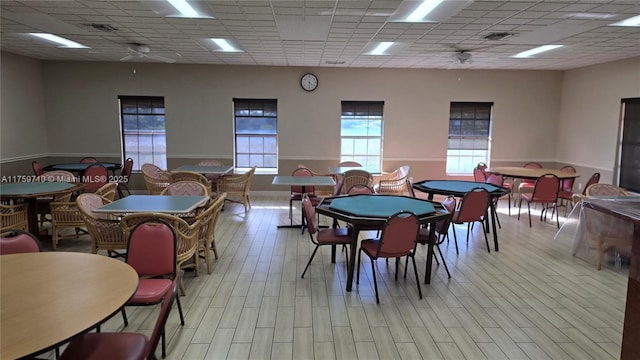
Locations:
(332, 33)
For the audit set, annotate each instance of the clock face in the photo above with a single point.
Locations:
(309, 82)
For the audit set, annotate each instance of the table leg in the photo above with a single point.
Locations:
(432, 235)
(333, 254)
(32, 214)
(352, 259)
(493, 225)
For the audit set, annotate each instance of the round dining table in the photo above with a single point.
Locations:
(48, 297)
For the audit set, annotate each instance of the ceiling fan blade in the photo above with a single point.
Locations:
(129, 57)
(161, 58)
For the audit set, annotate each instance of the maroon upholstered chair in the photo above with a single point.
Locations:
(442, 233)
(331, 236)
(565, 195)
(527, 185)
(360, 189)
(473, 208)
(125, 176)
(545, 191)
(398, 239)
(17, 242)
(88, 160)
(151, 251)
(498, 180)
(95, 177)
(297, 191)
(37, 169)
(122, 345)
(479, 175)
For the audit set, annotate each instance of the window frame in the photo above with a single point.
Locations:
(137, 163)
(349, 110)
(629, 127)
(269, 104)
(476, 136)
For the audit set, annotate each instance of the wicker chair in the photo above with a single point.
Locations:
(206, 236)
(212, 177)
(605, 190)
(187, 237)
(105, 232)
(43, 204)
(394, 183)
(65, 215)
(237, 185)
(155, 178)
(57, 176)
(108, 191)
(353, 177)
(14, 217)
(190, 176)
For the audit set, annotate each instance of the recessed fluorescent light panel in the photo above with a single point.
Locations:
(427, 11)
(633, 21)
(60, 41)
(220, 45)
(540, 49)
(381, 48)
(191, 9)
(589, 16)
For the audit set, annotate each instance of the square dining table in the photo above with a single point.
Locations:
(168, 204)
(303, 182)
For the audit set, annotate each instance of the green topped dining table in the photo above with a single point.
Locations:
(167, 204)
(370, 212)
(30, 191)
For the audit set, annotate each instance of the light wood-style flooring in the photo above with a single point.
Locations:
(530, 300)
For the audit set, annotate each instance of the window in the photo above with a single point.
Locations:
(256, 130)
(629, 149)
(469, 136)
(144, 136)
(361, 133)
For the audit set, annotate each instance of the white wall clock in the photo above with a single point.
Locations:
(309, 82)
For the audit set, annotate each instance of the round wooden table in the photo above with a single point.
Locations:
(48, 297)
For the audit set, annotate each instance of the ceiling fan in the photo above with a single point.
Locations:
(139, 51)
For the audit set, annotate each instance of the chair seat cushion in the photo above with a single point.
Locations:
(107, 346)
(334, 236)
(150, 291)
(537, 199)
(370, 247)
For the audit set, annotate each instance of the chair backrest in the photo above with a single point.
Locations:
(495, 179)
(210, 162)
(546, 188)
(14, 241)
(353, 177)
(186, 188)
(88, 160)
(57, 176)
(442, 226)
(360, 189)
(478, 175)
(155, 179)
(37, 169)
(87, 202)
(567, 184)
(605, 190)
(531, 165)
(95, 177)
(309, 214)
(302, 171)
(399, 235)
(349, 164)
(126, 171)
(153, 171)
(209, 218)
(151, 249)
(189, 175)
(594, 179)
(108, 191)
(473, 206)
(158, 329)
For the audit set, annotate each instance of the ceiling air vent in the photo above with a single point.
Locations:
(498, 35)
(101, 27)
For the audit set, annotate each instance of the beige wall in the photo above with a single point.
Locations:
(23, 133)
(590, 114)
(535, 116)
